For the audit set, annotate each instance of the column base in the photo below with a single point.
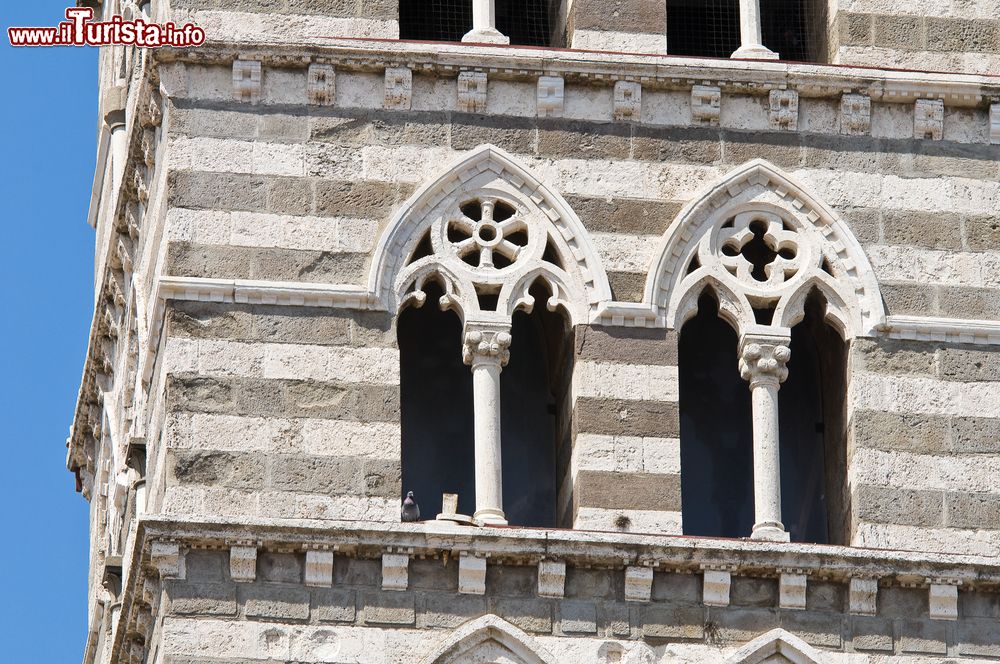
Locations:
(753, 52)
(491, 517)
(769, 532)
(485, 36)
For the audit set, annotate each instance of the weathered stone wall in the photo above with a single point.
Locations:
(207, 617)
(282, 191)
(918, 34)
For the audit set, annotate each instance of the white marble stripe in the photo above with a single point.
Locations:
(639, 521)
(631, 454)
(906, 470)
(256, 229)
(343, 364)
(624, 381)
(913, 394)
(590, 177)
(921, 538)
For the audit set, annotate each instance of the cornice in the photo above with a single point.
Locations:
(652, 70)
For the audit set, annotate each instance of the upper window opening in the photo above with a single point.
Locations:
(794, 29)
(703, 28)
(525, 22)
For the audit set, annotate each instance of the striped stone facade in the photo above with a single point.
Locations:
(239, 425)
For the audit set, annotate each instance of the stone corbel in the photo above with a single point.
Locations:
(168, 560)
(395, 571)
(942, 596)
(716, 583)
(638, 583)
(243, 562)
(471, 574)
(551, 578)
(863, 595)
(792, 585)
(319, 568)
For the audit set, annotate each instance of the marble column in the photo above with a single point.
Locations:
(484, 24)
(486, 351)
(763, 355)
(751, 46)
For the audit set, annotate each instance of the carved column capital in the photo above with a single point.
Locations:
(764, 356)
(486, 346)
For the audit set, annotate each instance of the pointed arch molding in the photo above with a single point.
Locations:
(579, 283)
(828, 259)
(776, 643)
(482, 632)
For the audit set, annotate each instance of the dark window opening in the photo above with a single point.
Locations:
(703, 28)
(436, 408)
(716, 433)
(811, 420)
(526, 22)
(534, 413)
(794, 29)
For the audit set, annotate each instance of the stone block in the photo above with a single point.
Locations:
(898, 602)
(531, 615)
(895, 356)
(582, 140)
(631, 16)
(333, 605)
(862, 596)
(362, 199)
(978, 638)
(472, 91)
(621, 417)
(921, 434)
(855, 29)
(962, 302)
(551, 578)
(168, 560)
(995, 124)
(382, 608)
(319, 568)
(930, 230)
(982, 232)
(909, 299)
(677, 588)
(871, 634)
(670, 622)
(879, 504)
(625, 215)
(204, 599)
(706, 105)
(395, 571)
(792, 590)
(207, 320)
(550, 96)
(626, 286)
(743, 625)
(277, 567)
(243, 563)
(357, 572)
(205, 565)
(969, 365)
(899, 31)
(444, 609)
(751, 591)
(247, 77)
(216, 191)
(781, 149)
(321, 84)
(628, 491)
(577, 617)
(815, 628)
(234, 471)
(627, 101)
(679, 145)
(398, 88)
(963, 35)
(638, 583)
(923, 637)
(783, 110)
(615, 618)
(972, 510)
(275, 601)
(855, 114)
(584, 583)
(516, 135)
(826, 595)
(943, 600)
(928, 119)
(715, 587)
(471, 574)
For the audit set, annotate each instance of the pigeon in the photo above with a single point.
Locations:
(410, 511)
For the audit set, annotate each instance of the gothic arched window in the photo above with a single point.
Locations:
(507, 259)
(791, 284)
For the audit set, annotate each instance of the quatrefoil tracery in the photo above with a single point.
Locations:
(758, 248)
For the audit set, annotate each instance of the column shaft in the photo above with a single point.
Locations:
(766, 456)
(489, 473)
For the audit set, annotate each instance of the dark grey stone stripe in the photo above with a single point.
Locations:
(185, 259)
(627, 491)
(622, 417)
(628, 345)
(282, 398)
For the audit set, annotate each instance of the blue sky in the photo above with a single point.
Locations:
(48, 108)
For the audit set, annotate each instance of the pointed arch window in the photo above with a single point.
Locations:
(507, 259)
(792, 285)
